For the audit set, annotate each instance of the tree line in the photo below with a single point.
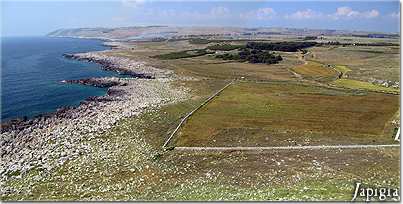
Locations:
(252, 56)
(280, 46)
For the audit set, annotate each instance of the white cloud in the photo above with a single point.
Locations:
(265, 13)
(304, 14)
(341, 13)
(371, 14)
(347, 12)
(260, 14)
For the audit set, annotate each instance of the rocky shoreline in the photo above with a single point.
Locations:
(19, 124)
(121, 65)
(48, 141)
(107, 64)
(97, 82)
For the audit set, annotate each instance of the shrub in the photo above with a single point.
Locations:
(225, 47)
(199, 41)
(183, 54)
(280, 46)
(252, 56)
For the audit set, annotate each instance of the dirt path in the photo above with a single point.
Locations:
(285, 147)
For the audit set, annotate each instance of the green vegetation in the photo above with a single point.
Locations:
(282, 114)
(214, 68)
(354, 84)
(342, 69)
(198, 41)
(259, 56)
(280, 46)
(228, 56)
(252, 56)
(365, 63)
(315, 70)
(225, 47)
(310, 38)
(253, 52)
(317, 191)
(182, 54)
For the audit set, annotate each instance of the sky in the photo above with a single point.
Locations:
(33, 18)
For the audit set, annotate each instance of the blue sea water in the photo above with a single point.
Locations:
(31, 71)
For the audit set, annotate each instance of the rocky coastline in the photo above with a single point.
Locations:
(19, 124)
(48, 141)
(107, 64)
(97, 82)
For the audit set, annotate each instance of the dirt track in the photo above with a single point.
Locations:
(283, 147)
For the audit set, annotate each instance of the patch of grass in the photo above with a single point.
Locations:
(282, 175)
(274, 175)
(286, 46)
(182, 54)
(342, 69)
(315, 70)
(355, 84)
(14, 173)
(365, 63)
(305, 191)
(206, 66)
(281, 114)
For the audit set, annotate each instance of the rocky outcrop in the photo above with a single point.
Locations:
(98, 82)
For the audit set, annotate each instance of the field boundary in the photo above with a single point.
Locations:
(193, 111)
(284, 147)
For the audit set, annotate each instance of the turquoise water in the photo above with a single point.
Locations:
(31, 71)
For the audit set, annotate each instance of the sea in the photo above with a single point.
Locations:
(32, 69)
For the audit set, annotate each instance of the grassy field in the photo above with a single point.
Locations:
(315, 70)
(182, 54)
(281, 114)
(342, 69)
(349, 39)
(365, 63)
(210, 67)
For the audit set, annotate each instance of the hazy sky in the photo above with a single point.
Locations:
(41, 17)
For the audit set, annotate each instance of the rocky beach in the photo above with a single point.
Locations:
(48, 141)
(122, 65)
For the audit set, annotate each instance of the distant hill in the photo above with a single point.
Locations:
(168, 32)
